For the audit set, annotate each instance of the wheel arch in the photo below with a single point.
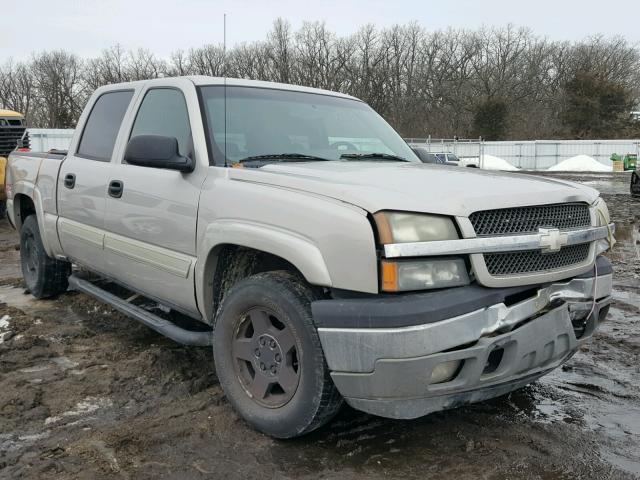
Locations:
(23, 206)
(234, 250)
(26, 201)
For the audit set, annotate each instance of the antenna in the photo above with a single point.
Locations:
(224, 73)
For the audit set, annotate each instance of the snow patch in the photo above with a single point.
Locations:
(4, 328)
(490, 162)
(580, 163)
(83, 408)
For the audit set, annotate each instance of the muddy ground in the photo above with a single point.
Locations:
(86, 393)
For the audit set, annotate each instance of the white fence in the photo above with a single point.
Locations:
(45, 139)
(533, 154)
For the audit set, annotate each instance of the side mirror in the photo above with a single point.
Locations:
(157, 151)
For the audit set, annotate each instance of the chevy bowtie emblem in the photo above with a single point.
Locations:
(551, 240)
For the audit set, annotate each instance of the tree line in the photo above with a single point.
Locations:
(498, 83)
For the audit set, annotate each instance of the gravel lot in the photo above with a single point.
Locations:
(86, 393)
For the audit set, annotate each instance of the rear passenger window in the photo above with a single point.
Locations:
(164, 112)
(101, 128)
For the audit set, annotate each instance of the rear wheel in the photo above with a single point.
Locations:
(43, 275)
(3, 209)
(269, 359)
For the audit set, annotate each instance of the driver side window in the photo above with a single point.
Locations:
(164, 112)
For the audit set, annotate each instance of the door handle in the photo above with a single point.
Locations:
(69, 180)
(115, 188)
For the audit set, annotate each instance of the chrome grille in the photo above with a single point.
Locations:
(523, 220)
(533, 261)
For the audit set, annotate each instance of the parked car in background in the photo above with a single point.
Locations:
(442, 158)
(311, 247)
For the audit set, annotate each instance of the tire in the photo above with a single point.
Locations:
(3, 209)
(635, 184)
(43, 275)
(299, 395)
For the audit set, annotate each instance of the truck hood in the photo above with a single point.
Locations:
(416, 187)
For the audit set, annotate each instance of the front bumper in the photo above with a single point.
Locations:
(388, 371)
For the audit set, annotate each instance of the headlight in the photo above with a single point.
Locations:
(421, 274)
(399, 227)
(418, 274)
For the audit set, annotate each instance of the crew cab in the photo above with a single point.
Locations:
(304, 240)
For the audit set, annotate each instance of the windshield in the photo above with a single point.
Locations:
(262, 121)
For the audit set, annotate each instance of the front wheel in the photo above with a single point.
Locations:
(269, 359)
(43, 275)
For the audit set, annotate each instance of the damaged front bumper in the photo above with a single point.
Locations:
(396, 371)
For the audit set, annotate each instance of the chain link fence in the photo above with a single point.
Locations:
(532, 154)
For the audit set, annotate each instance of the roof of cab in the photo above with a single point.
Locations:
(239, 82)
(10, 113)
(202, 80)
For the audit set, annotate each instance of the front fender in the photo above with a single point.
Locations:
(290, 246)
(294, 248)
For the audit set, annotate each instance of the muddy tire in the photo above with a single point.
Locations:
(635, 184)
(43, 275)
(3, 209)
(269, 359)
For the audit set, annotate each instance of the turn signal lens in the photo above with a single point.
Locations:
(408, 275)
(389, 276)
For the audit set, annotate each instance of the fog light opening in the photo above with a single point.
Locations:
(578, 314)
(446, 371)
(493, 361)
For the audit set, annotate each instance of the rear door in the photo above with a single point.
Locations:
(83, 178)
(150, 223)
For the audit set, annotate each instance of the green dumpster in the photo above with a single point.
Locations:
(629, 161)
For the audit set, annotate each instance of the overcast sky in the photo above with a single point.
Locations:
(86, 27)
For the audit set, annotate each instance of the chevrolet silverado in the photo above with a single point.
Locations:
(307, 244)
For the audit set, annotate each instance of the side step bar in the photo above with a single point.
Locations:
(160, 325)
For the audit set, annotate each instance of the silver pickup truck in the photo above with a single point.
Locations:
(312, 249)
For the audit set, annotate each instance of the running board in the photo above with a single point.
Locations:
(159, 324)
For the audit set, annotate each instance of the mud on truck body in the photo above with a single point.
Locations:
(322, 260)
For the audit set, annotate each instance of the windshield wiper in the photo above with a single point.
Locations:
(283, 157)
(366, 156)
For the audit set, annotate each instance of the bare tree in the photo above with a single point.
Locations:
(441, 83)
(57, 81)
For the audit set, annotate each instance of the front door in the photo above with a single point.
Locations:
(151, 213)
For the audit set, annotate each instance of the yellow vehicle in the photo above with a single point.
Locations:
(12, 128)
